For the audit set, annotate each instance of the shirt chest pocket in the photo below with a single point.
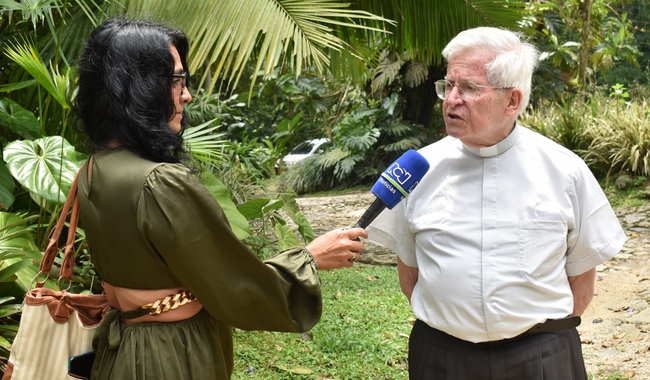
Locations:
(542, 247)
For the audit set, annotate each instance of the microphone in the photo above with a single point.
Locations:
(395, 184)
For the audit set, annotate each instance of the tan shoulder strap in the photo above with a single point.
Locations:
(53, 248)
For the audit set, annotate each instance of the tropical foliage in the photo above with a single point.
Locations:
(612, 42)
(364, 143)
(269, 74)
(609, 133)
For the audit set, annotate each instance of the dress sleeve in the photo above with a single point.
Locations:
(182, 222)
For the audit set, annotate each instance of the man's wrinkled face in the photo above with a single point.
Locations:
(482, 122)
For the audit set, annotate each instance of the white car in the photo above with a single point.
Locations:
(303, 150)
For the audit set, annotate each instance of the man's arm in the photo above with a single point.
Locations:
(582, 287)
(408, 277)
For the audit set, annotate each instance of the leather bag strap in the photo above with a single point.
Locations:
(53, 246)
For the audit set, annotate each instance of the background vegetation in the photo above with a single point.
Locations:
(269, 74)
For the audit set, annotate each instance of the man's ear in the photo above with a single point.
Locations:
(515, 96)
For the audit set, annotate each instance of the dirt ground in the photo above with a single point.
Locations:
(614, 328)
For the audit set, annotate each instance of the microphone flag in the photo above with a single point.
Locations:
(395, 184)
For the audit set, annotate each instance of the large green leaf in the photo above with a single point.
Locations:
(237, 221)
(7, 186)
(19, 120)
(46, 166)
(10, 309)
(6, 299)
(304, 227)
(286, 237)
(290, 205)
(16, 236)
(16, 239)
(273, 206)
(14, 268)
(253, 208)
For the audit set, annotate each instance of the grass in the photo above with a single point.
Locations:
(633, 197)
(609, 376)
(363, 333)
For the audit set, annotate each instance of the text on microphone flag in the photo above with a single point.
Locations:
(400, 178)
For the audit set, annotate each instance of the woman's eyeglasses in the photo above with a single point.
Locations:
(183, 77)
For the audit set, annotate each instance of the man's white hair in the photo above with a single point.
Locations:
(513, 60)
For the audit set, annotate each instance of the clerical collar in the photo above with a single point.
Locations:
(498, 148)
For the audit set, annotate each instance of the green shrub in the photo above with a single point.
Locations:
(365, 142)
(563, 123)
(620, 139)
(611, 133)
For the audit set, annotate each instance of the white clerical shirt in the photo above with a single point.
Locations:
(496, 231)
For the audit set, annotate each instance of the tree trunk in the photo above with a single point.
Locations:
(584, 51)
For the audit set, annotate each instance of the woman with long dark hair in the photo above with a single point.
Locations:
(154, 230)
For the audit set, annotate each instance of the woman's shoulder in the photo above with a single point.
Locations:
(124, 165)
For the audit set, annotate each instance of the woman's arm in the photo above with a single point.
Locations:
(184, 224)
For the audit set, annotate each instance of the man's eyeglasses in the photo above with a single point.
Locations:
(467, 90)
(183, 77)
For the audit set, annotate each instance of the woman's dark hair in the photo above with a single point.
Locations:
(125, 89)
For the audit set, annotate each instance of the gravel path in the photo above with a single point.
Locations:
(614, 328)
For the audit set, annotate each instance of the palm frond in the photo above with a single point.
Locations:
(17, 86)
(29, 59)
(206, 145)
(425, 27)
(226, 32)
(35, 11)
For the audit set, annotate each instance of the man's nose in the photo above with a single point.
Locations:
(454, 96)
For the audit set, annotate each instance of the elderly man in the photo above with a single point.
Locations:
(498, 244)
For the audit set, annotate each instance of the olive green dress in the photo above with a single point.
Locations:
(153, 226)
